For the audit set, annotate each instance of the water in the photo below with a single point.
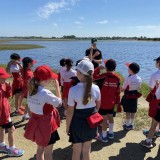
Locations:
(122, 51)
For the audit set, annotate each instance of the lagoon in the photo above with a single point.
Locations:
(142, 52)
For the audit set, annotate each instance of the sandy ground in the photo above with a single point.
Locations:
(125, 145)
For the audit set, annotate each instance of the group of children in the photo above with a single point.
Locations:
(85, 90)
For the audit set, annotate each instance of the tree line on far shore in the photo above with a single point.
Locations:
(73, 37)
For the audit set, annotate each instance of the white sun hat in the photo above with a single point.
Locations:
(84, 66)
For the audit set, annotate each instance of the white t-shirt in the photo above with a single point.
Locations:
(37, 101)
(14, 68)
(66, 75)
(154, 78)
(133, 81)
(76, 95)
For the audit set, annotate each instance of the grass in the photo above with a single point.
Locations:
(19, 46)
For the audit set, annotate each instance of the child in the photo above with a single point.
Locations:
(129, 100)
(27, 74)
(154, 103)
(66, 74)
(5, 119)
(61, 68)
(87, 96)
(42, 126)
(110, 92)
(14, 67)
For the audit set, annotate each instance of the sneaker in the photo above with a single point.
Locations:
(131, 127)
(3, 149)
(103, 139)
(110, 135)
(22, 108)
(25, 117)
(126, 127)
(146, 132)
(157, 133)
(15, 152)
(19, 112)
(145, 144)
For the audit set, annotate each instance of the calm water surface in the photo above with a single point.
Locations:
(122, 51)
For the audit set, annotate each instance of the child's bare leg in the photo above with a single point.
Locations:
(48, 152)
(40, 153)
(128, 116)
(2, 134)
(11, 136)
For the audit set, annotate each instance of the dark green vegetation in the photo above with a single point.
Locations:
(18, 46)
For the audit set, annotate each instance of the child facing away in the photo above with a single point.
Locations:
(14, 67)
(61, 68)
(5, 119)
(27, 75)
(129, 100)
(87, 97)
(44, 120)
(110, 96)
(66, 75)
(154, 101)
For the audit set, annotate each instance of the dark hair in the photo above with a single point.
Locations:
(33, 86)
(110, 65)
(78, 61)
(26, 61)
(15, 56)
(88, 85)
(134, 67)
(68, 63)
(62, 62)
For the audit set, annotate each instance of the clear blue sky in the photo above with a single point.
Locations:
(80, 17)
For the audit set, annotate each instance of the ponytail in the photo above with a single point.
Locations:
(33, 86)
(8, 67)
(87, 90)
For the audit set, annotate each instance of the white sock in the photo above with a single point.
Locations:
(132, 122)
(127, 122)
(148, 140)
(104, 133)
(11, 147)
(2, 144)
(111, 125)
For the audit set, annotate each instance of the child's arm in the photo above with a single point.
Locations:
(8, 91)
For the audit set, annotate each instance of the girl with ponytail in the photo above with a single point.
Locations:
(86, 96)
(44, 118)
(27, 75)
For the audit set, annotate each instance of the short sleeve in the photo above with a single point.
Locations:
(125, 84)
(71, 101)
(50, 98)
(152, 82)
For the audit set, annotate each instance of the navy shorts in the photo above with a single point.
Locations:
(7, 125)
(105, 111)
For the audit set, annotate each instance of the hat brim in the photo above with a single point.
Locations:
(54, 75)
(5, 76)
(127, 64)
(34, 61)
(105, 61)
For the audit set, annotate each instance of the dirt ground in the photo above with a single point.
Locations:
(125, 146)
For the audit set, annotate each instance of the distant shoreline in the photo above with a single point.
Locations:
(74, 38)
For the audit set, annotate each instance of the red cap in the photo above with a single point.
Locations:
(127, 64)
(3, 73)
(44, 73)
(105, 61)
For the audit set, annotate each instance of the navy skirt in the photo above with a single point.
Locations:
(80, 131)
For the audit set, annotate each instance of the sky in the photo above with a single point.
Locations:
(82, 18)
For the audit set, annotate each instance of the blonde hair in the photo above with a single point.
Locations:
(33, 86)
(88, 85)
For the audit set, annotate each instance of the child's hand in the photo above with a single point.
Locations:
(56, 83)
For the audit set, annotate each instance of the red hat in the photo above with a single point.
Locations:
(105, 61)
(44, 73)
(127, 64)
(3, 73)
